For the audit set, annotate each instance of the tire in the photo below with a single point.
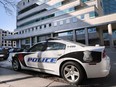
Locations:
(72, 72)
(16, 65)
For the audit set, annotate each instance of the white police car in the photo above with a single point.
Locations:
(73, 61)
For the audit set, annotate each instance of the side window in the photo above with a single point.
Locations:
(37, 47)
(55, 46)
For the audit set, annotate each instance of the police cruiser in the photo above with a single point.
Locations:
(73, 61)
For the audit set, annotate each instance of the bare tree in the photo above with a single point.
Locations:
(8, 5)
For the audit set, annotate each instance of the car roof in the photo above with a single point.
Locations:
(62, 41)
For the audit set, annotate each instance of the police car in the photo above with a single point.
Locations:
(73, 61)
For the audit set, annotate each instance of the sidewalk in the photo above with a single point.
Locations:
(19, 79)
(6, 64)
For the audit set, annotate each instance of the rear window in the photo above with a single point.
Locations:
(83, 45)
(80, 44)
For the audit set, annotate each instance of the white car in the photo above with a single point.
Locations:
(73, 61)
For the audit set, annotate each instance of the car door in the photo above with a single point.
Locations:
(34, 55)
(53, 51)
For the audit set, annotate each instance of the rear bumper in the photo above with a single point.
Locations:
(101, 69)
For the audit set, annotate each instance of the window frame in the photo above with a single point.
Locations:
(42, 49)
(58, 43)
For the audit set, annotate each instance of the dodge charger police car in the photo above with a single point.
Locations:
(73, 61)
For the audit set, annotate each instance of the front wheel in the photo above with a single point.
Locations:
(16, 65)
(72, 72)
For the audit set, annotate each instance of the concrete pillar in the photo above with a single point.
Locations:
(86, 37)
(19, 45)
(52, 35)
(100, 32)
(35, 40)
(110, 35)
(30, 41)
(74, 35)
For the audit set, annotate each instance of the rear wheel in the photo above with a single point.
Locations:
(72, 72)
(16, 65)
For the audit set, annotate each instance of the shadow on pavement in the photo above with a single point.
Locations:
(108, 81)
(17, 79)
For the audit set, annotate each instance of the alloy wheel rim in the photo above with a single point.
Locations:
(15, 65)
(71, 73)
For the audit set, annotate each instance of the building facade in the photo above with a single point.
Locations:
(109, 6)
(76, 20)
(6, 43)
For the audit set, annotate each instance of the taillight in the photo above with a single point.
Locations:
(104, 54)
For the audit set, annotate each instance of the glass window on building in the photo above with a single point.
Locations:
(114, 37)
(80, 35)
(105, 35)
(23, 3)
(114, 34)
(27, 8)
(43, 38)
(61, 22)
(33, 40)
(93, 14)
(50, 24)
(109, 6)
(72, 9)
(20, 32)
(55, 23)
(25, 30)
(65, 33)
(74, 19)
(68, 35)
(32, 28)
(80, 31)
(44, 25)
(55, 6)
(29, 30)
(36, 27)
(68, 20)
(40, 27)
(27, 41)
(59, 13)
(106, 38)
(82, 16)
(92, 30)
(85, 0)
(35, 20)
